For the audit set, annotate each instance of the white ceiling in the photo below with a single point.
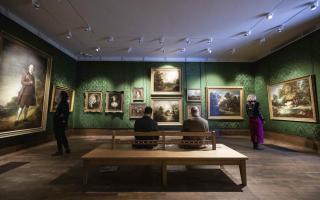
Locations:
(127, 20)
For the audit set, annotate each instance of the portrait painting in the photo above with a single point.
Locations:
(189, 106)
(114, 101)
(167, 111)
(225, 102)
(293, 100)
(24, 87)
(55, 98)
(93, 101)
(138, 94)
(193, 95)
(136, 110)
(166, 81)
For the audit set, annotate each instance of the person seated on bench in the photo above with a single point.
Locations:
(195, 124)
(145, 124)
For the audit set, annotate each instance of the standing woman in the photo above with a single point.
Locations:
(60, 122)
(255, 121)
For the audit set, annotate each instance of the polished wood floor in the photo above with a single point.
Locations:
(274, 173)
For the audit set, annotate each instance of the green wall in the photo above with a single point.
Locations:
(123, 76)
(63, 74)
(299, 59)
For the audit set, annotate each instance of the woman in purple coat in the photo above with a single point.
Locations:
(255, 121)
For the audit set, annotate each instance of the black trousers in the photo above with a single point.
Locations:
(60, 135)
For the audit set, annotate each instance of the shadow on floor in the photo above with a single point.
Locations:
(10, 166)
(148, 179)
(279, 148)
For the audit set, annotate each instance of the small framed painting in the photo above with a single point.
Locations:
(136, 110)
(167, 111)
(189, 106)
(194, 95)
(225, 102)
(56, 95)
(93, 102)
(114, 101)
(166, 81)
(138, 94)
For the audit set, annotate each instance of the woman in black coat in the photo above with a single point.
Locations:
(60, 122)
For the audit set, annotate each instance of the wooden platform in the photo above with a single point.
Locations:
(223, 155)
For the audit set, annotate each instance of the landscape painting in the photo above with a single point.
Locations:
(136, 110)
(167, 111)
(293, 100)
(56, 97)
(225, 102)
(193, 95)
(166, 81)
(24, 87)
(93, 101)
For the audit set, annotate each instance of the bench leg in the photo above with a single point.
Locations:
(84, 174)
(243, 172)
(164, 174)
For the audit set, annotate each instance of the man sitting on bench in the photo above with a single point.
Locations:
(145, 124)
(195, 124)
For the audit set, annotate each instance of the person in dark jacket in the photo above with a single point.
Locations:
(145, 124)
(60, 122)
(255, 121)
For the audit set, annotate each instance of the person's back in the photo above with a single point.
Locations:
(145, 124)
(195, 124)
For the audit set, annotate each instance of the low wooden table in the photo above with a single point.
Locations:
(223, 155)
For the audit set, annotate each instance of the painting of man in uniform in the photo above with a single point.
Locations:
(23, 74)
(293, 100)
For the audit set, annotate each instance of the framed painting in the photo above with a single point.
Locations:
(167, 111)
(24, 87)
(194, 95)
(225, 102)
(56, 95)
(138, 94)
(189, 106)
(114, 101)
(93, 101)
(166, 81)
(136, 110)
(293, 100)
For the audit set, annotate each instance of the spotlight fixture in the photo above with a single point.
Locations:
(269, 16)
(233, 51)
(209, 41)
(110, 39)
(141, 40)
(161, 40)
(162, 50)
(129, 49)
(187, 41)
(209, 50)
(69, 35)
(314, 5)
(97, 49)
(262, 40)
(88, 28)
(280, 28)
(248, 33)
(36, 4)
(85, 54)
(182, 50)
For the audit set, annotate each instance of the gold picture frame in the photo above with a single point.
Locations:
(138, 94)
(136, 110)
(293, 100)
(93, 101)
(166, 81)
(218, 108)
(36, 118)
(114, 101)
(167, 111)
(55, 97)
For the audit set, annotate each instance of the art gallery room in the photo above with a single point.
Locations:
(159, 99)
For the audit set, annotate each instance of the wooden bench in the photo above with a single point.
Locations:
(223, 155)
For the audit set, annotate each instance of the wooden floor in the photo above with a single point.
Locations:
(274, 173)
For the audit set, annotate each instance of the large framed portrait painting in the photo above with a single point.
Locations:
(167, 111)
(293, 100)
(56, 97)
(225, 102)
(93, 101)
(166, 81)
(24, 87)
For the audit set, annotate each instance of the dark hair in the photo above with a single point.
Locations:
(148, 110)
(64, 96)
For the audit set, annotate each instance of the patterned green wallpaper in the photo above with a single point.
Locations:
(123, 76)
(296, 60)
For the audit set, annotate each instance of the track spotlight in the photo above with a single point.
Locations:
(85, 54)
(187, 41)
(98, 49)
(280, 28)
(162, 50)
(233, 51)
(161, 40)
(129, 49)
(110, 39)
(262, 40)
(141, 39)
(182, 50)
(36, 4)
(314, 5)
(87, 28)
(248, 33)
(209, 50)
(209, 41)
(69, 35)
(269, 16)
